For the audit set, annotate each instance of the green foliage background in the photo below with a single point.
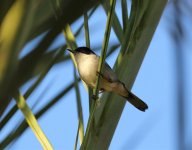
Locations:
(21, 21)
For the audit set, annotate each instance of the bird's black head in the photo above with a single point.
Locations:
(84, 50)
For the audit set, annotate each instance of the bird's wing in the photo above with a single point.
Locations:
(109, 74)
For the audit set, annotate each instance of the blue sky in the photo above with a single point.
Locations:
(155, 84)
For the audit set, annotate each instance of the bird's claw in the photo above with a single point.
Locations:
(99, 73)
(94, 97)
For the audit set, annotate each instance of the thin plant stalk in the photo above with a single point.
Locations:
(87, 41)
(124, 14)
(77, 135)
(100, 67)
(70, 38)
(32, 122)
(79, 108)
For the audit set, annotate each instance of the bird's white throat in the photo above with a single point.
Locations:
(87, 67)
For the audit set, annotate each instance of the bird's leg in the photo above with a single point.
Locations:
(122, 84)
(99, 73)
(94, 97)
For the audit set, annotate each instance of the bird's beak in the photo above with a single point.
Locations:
(70, 50)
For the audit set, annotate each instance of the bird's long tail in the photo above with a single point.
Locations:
(137, 102)
(130, 97)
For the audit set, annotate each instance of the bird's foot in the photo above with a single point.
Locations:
(94, 97)
(99, 74)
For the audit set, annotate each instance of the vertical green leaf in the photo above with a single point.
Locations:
(124, 14)
(105, 44)
(109, 112)
(86, 29)
(87, 40)
(115, 21)
(100, 67)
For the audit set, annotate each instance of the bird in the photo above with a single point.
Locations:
(87, 66)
